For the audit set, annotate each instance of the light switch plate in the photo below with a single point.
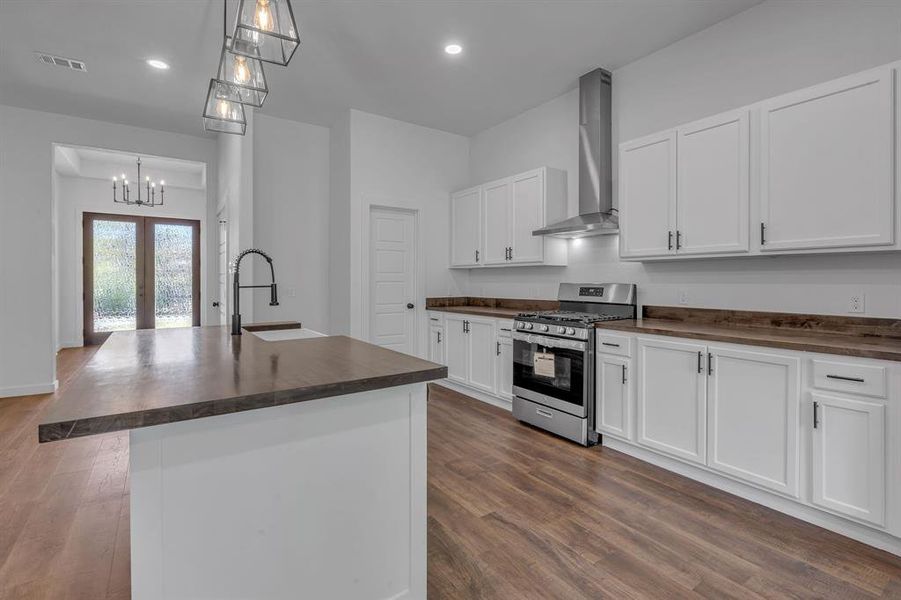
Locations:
(857, 303)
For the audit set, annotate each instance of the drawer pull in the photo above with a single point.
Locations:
(611, 344)
(504, 329)
(843, 378)
(544, 413)
(816, 416)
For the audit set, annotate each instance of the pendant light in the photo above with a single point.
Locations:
(266, 30)
(221, 114)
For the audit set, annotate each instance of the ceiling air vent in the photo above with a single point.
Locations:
(60, 61)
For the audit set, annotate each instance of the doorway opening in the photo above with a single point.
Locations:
(139, 273)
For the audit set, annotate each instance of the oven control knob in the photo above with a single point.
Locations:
(520, 325)
(571, 331)
(544, 328)
(528, 325)
(561, 329)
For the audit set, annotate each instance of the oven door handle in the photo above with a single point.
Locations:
(549, 342)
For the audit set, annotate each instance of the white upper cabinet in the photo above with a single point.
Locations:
(823, 160)
(826, 165)
(647, 195)
(496, 202)
(466, 228)
(527, 206)
(753, 401)
(508, 211)
(713, 185)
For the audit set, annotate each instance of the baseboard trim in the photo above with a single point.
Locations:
(477, 394)
(70, 344)
(29, 390)
(855, 531)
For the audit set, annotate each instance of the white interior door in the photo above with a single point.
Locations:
(223, 268)
(713, 185)
(392, 295)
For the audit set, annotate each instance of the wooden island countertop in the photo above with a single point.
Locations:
(151, 377)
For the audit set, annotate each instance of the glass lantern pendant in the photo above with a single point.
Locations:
(266, 30)
(241, 77)
(221, 114)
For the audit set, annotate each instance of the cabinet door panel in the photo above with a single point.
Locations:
(466, 228)
(672, 398)
(713, 185)
(826, 165)
(456, 349)
(481, 339)
(528, 215)
(504, 363)
(753, 403)
(849, 457)
(496, 202)
(647, 195)
(613, 411)
(436, 344)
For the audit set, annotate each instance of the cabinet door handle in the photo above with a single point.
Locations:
(762, 234)
(669, 242)
(477, 256)
(678, 240)
(498, 350)
(709, 363)
(624, 374)
(843, 378)
(611, 344)
(816, 416)
(439, 337)
(700, 358)
(511, 252)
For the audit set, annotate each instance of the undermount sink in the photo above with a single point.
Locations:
(279, 335)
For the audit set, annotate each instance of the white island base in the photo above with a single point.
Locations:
(323, 499)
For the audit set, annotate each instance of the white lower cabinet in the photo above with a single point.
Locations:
(478, 352)
(613, 410)
(436, 340)
(849, 457)
(504, 365)
(753, 400)
(672, 398)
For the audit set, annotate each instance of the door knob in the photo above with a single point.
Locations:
(215, 304)
(409, 305)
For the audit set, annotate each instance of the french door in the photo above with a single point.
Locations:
(139, 273)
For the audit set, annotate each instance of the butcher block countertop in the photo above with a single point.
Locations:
(497, 308)
(847, 336)
(151, 377)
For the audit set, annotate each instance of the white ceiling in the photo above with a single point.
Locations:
(384, 57)
(94, 163)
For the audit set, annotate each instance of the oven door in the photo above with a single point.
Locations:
(552, 371)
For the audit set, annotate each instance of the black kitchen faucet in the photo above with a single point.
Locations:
(237, 287)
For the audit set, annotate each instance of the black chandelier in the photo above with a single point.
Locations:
(122, 185)
(265, 31)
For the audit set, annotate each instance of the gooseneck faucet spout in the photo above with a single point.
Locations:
(237, 287)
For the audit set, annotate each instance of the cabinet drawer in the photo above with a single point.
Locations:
(504, 328)
(611, 343)
(866, 380)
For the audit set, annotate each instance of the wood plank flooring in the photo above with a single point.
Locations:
(513, 513)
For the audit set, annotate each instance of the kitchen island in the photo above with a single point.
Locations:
(263, 468)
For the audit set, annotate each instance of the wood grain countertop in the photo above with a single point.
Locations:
(497, 308)
(846, 336)
(480, 311)
(151, 377)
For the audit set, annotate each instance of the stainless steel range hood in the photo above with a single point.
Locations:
(596, 213)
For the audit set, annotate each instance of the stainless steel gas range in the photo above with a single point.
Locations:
(553, 358)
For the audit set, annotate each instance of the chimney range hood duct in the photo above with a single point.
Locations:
(596, 213)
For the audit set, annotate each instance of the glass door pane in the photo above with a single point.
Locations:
(115, 275)
(173, 263)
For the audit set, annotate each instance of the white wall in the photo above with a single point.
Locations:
(27, 344)
(77, 195)
(291, 219)
(398, 164)
(772, 48)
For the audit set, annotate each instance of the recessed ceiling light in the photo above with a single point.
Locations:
(157, 64)
(453, 48)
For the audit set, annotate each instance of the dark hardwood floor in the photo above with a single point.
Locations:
(513, 513)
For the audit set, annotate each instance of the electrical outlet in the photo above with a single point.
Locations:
(683, 297)
(857, 303)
